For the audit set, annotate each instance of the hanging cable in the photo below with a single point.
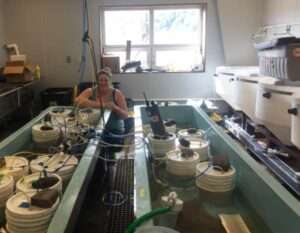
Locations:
(88, 45)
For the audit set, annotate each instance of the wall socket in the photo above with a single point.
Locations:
(68, 59)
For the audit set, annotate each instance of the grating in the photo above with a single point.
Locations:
(121, 216)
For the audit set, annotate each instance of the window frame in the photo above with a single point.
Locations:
(151, 48)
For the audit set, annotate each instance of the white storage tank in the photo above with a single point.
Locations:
(272, 109)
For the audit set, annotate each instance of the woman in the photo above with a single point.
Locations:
(104, 96)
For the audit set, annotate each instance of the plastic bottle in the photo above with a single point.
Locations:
(38, 72)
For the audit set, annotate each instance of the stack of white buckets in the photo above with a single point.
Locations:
(197, 165)
(21, 216)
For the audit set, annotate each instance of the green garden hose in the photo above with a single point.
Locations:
(139, 221)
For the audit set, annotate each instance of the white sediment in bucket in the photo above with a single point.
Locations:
(6, 189)
(63, 165)
(170, 129)
(25, 183)
(159, 147)
(27, 220)
(89, 116)
(59, 117)
(181, 166)
(15, 166)
(214, 180)
(44, 134)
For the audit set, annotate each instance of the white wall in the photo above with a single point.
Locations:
(239, 20)
(2, 36)
(281, 12)
(49, 30)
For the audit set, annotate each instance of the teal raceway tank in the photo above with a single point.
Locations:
(262, 202)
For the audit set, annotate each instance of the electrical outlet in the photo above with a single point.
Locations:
(68, 59)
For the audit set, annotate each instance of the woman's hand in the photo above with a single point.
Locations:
(81, 102)
(110, 105)
(84, 102)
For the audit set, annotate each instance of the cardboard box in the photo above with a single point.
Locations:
(112, 62)
(18, 72)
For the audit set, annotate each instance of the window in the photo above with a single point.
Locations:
(166, 38)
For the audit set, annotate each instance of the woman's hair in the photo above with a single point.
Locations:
(107, 72)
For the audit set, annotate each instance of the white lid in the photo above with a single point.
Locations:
(175, 156)
(184, 133)
(64, 112)
(13, 206)
(14, 164)
(54, 163)
(201, 167)
(238, 70)
(25, 183)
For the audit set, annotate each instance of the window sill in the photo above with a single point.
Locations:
(153, 73)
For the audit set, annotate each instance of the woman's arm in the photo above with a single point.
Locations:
(121, 106)
(83, 99)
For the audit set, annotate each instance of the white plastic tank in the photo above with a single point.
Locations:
(246, 92)
(226, 81)
(294, 111)
(273, 103)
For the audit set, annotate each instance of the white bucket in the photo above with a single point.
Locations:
(40, 135)
(180, 166)
(159, 147)
(27, 220)
(213, 180)
(6, 189)
(200, 146)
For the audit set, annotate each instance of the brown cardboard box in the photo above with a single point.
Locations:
(18, 72)
(112, 62)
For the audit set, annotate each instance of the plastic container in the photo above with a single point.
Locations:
(38, 72)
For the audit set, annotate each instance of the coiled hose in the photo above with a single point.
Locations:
(139, 221)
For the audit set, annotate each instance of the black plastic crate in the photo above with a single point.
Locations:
(62, 96)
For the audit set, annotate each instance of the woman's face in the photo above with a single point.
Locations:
(103, 81)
